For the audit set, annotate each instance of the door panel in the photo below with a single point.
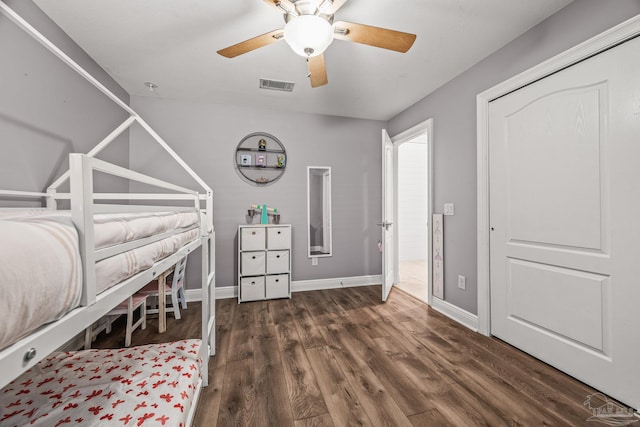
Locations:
(563, 302)
(545, 137)
(564, 211)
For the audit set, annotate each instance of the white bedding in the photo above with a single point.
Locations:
(112, 229)
(151, 385)
(40, 274)
(40, 267)
(115, 269)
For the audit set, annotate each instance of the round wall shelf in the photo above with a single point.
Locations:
(260, 159)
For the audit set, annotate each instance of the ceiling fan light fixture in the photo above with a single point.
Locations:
(324, 6)
(308, 35)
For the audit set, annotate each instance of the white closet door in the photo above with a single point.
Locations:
(565, 220)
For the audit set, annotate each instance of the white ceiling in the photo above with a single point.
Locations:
(173, 43)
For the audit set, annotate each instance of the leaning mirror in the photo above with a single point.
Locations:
(319, 211)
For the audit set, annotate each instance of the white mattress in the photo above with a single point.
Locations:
(112, 229)
(41, 271)
(151, 385)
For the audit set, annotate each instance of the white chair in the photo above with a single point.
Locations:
(174, 288)
(128, 307)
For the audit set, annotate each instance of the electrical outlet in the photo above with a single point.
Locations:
(314, 261)
(462, 283)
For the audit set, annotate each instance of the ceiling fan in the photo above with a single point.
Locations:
(309, 29)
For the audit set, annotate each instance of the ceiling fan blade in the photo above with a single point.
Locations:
(374, 36)
(252, 44)
(282, 5)
(317, 71)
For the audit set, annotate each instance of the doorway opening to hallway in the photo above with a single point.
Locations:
(413, 215)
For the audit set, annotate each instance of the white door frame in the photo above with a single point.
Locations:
(387, 231)
(597, 44)
(327, 240)
(402, 137)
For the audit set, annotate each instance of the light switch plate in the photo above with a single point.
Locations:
(314, 261)
(449, 209)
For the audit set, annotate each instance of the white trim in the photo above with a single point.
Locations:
(226, 292)
(327, 226)
(334, 283)
(222, 292)
(456, 313)
(406, 136)
(593, 46)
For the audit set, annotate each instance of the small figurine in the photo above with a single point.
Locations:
(262, 144)
(280, 161)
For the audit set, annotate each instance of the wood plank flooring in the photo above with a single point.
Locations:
(342, 358)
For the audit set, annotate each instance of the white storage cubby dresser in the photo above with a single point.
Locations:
(264, 262)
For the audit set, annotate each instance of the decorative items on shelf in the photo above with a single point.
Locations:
(260, 159)
(264, 211)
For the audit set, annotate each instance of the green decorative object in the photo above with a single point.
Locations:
(265, 211)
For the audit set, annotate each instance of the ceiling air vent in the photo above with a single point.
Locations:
(276, 85)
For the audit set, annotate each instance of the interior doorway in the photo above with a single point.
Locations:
(412, 214)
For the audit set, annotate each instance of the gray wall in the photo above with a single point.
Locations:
(47, 110)
(206, 135)
(453, 108)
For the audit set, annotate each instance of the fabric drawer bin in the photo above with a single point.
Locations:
(278, 237)
(252, 263)
(277, 262)
(252, 288)
(277, 286)
(252, 239)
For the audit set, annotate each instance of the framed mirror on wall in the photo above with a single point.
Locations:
(319, 235)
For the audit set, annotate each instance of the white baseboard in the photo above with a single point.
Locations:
(456, 313)
(334, 283)
(224, 292)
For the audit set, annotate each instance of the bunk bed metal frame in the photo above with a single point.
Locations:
(25, 353)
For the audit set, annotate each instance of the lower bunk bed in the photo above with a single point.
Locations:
(150, 385)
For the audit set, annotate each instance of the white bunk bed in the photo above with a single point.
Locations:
(30, 352)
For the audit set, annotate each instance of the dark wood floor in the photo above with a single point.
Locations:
(341, 357)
